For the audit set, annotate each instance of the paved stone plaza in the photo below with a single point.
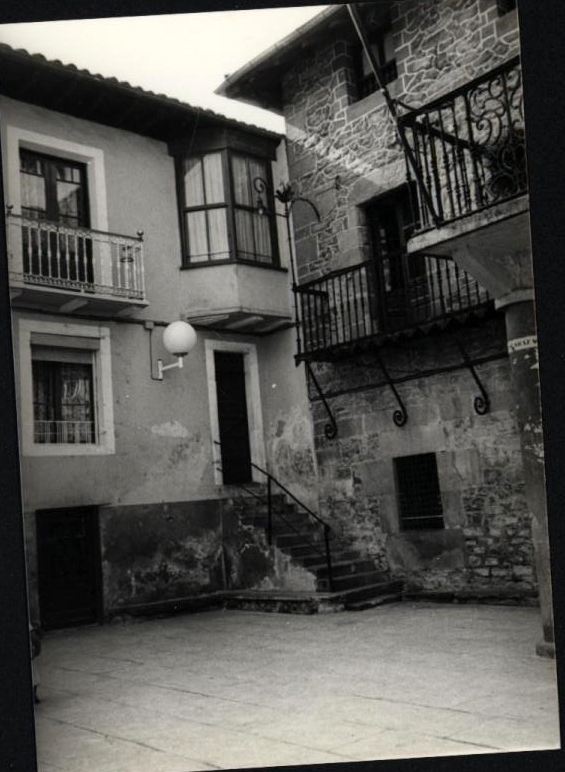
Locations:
(223, 689)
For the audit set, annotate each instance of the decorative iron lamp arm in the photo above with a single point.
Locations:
(178, 338)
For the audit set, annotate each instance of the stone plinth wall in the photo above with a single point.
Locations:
(160, 553)
(486, 542)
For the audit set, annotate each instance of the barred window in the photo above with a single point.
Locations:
(64, 398)
(419, 497)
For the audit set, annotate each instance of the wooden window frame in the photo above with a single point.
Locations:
(366, 83)
(230, 206)
(51, 215)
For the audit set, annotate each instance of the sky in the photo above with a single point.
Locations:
(182, 55)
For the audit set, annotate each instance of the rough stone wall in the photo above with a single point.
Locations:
(343, 152)
(486, 543)
(442, 45)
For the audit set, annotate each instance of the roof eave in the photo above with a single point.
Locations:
(268, 66)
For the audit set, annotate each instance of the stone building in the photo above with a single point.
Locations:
(414, 289)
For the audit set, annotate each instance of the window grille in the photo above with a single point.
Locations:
(63, 397)
(419, 497)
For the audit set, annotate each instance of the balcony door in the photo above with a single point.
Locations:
(54, 193)
(402, 285)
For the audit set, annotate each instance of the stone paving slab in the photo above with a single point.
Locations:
(228, 689)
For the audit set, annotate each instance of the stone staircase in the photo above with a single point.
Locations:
(357, 583)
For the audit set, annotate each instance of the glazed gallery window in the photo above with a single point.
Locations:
(418, 492)
(220, 218)
(63, 396)
(382, 47)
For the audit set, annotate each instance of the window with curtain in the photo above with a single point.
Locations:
(205, 209)
(63, 396)
(221, 221)
(252, 230)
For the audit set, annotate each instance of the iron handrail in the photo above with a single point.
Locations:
(468, 146)
(307, 285)
(270, 512)
(72, 230)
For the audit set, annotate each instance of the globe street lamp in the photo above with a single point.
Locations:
(178, 338)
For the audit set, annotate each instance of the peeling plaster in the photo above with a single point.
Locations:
(171, 429)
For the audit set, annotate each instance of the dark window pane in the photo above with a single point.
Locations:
(419, 498)
(53, 189)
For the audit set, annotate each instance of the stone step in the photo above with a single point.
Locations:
(290, 539)
(306, 554)
(260, 518)
(280, 601)
(313, 559)
(373, 602)
(343, 567)
(359, 581)
(370, 592)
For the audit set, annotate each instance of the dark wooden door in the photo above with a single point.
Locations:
(402, 280)
(68, 563)
(232, 417)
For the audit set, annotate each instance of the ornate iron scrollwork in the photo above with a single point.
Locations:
(399, 416)
(481, 403)
(330, 429)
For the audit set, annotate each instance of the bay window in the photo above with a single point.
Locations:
(220, 221)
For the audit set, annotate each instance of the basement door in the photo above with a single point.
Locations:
(233, 420)
(68, 566)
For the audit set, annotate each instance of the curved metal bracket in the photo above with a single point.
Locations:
(400, 416)
(330, 429)
(481, 403)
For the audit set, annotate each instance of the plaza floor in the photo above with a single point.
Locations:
(227, 689)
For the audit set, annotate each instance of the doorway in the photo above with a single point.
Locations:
(68, 567)
(233, 422)
(236, 418)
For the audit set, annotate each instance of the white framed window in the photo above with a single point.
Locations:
(19, 139)
(66, 403)
(248, 351)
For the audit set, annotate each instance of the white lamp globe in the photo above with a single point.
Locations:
(179, 338)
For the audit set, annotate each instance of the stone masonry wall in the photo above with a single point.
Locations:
(343, 152)
(486, 543)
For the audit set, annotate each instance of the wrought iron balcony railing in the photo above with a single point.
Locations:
(80, 260)
(347, 306)
(468, 147)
